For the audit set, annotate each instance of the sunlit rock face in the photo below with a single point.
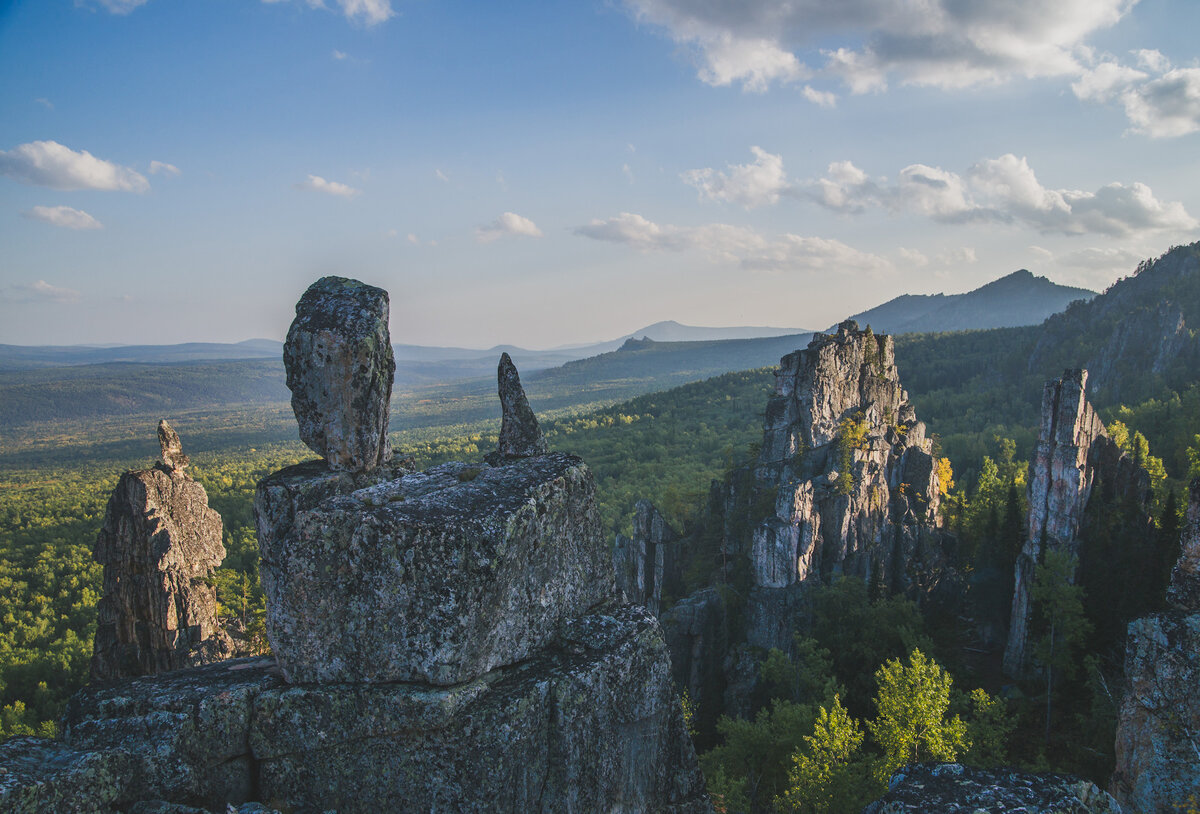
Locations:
(340, 369)
(1073, 453)
(159, 542)
(1158, 728)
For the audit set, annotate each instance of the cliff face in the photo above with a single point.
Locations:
(1158, 728)
(1073, 453)
(648, 564)
(158, 543)
(854, 482)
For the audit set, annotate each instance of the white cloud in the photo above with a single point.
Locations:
(115, 6)
(820, 98)
(161, 166)
(958, 257)
(339, 55)
(63, 216)
(413, 239)
(751, 185)
(913, 257)
(1162, 106)
(944, 43)
(441, 176)
(44, 102)
(507, 224)
(725, 243)
(50, 164)
(627, 171)
(319, 184)
(367, 12)
(1006, 190)
(1102, 259)
(41, 291)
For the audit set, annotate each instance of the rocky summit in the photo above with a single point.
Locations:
(1073, 453)
(340, 369)
(1158, 726)
(159, 542)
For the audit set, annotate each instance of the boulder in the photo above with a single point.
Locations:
(159, 542)
(42, 776)
(437, 576)
(340, 369)
(951, 788)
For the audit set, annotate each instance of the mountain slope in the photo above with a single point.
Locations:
(1016, 299)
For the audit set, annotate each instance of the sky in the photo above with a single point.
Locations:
(542, 174)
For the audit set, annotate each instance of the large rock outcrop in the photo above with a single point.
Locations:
(520, 435)
(951, 788)
(1073, 453)
(159, 542)
(1158, 727)
(340, 369)
(648, 564)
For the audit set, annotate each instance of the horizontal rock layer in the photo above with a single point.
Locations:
(437, 576)
(590, 724)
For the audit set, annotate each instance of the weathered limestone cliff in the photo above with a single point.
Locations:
(1158, 728)
(1073, 453)
(447, 640)
(158, 543)
(854, 482)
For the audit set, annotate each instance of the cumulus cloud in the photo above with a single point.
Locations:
(367, 12)
(726, 243)
(751, 185)
(41, 291)
(944, 43)
(161, 166)
(507, 224)
(63, 216)
(1102, 259)
(50, 164)
(114, 6)
(319, 184)
(963, 255)
(1163, 103)
(1006, 190)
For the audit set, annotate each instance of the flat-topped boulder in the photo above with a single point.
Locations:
(436, 576)
(340, 369)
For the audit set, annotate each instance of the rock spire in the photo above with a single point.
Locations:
(340, 369)
(520, 435)
(159, 542)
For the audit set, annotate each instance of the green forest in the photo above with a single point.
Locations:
(840, 711)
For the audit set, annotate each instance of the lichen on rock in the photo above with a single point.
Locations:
(520, 435)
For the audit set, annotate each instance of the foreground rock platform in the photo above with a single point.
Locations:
(435, 576)
(951, 788)
(589, 724)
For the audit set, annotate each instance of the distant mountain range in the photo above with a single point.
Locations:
(1017, 299)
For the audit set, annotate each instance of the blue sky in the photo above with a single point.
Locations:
(544, 173)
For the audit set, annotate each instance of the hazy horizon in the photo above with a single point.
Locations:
(549, 176)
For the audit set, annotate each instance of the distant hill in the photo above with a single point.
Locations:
(1017, 299)
(28, 357)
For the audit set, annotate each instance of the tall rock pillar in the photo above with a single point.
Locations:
(158, 543)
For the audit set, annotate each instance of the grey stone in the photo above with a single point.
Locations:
(172, 447)
(590, 723)
(159, 542)
(340, 370)
(1184, 591)
(520, 435)
(648, 564)
(41, 776)
(951, 788)
(437, 576)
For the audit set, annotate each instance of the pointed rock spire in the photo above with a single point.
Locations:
(172, 448)
(520, 435)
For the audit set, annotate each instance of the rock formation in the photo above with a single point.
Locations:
(1073, 453)
(520, 435)
(1158, 727)
(158, 543)
(951, 788)
(445, 640)
(340, 369)
(648, 564)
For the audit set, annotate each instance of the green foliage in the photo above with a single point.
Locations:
(912, 723)
(852, 435)
(805, 676)
(990, 724)
(824, 778)
(1058, 605)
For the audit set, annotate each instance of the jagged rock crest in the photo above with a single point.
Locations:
(520, 435)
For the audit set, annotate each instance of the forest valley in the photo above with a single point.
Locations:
(875, 679)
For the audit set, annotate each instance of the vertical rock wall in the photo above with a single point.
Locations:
(648, 565)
